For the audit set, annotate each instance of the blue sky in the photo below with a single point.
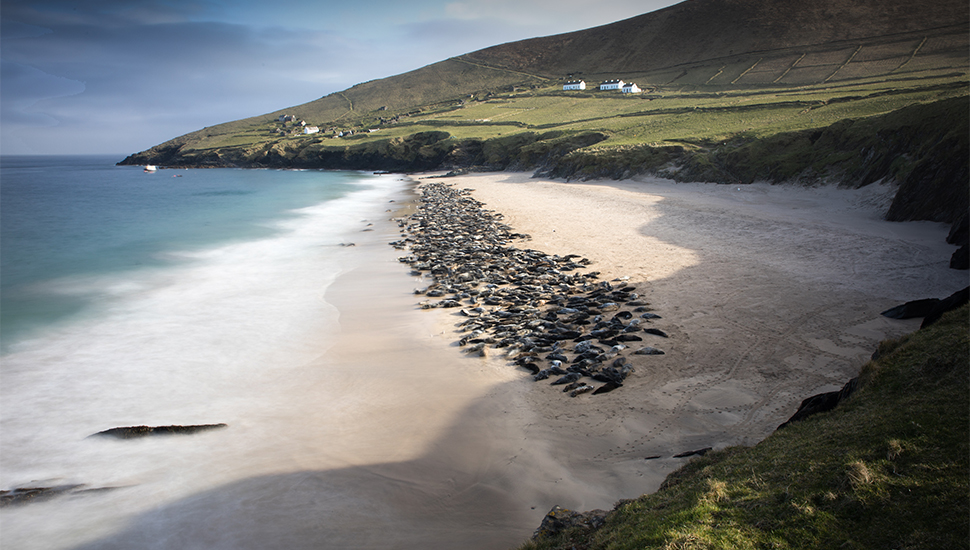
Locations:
(119, 76)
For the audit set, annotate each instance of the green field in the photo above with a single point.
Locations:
(698, 114)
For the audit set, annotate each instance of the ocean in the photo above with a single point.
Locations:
(175, 297)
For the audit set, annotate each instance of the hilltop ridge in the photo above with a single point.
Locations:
(702, 30)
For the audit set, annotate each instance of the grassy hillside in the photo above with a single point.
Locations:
(716, 74)
(766, 41)
(888, 468)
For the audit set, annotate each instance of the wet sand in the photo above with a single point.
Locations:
(769, 295)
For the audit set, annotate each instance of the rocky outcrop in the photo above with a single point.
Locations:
(560, 519)
(930, 309)
(949, 303)
(923, 147)
(960, 236)
(822, 402)
(912, 309)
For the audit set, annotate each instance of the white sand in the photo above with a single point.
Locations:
(769, 295)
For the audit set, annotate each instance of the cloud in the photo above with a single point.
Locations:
(123, 75)
(552, 16)
(22, 87)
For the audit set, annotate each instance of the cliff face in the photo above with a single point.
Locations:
(923, 147)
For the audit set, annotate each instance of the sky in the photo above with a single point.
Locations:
(119, 76)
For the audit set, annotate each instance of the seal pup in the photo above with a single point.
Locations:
(607, 387)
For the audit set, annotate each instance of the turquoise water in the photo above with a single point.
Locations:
(176, 297)
(68, 220)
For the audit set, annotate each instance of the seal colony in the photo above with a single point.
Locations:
(543, 311)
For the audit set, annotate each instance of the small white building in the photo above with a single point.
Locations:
(631, 88)
(310, 129)
(611, 85)
(574, 85)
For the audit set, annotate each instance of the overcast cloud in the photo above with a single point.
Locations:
(119, 76)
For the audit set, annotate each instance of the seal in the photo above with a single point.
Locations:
(566, 379)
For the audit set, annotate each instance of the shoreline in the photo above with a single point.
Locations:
(753, 329)
(417, 444)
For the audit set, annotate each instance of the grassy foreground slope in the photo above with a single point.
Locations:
(888, 468)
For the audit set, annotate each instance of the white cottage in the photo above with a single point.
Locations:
(611, 85)
(574, 85)
(310, 129)
(631, 88)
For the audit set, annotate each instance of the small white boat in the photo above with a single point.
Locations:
(151, 168)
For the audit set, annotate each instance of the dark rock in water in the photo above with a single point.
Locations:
(26, 495)
(652, 457)
(952, 301)
(607, 387)
(655, 331)
(560, 519)
(909, 310)
(961, 258)
(698, 452)
(33, 494)
(822, 402)
(145, 431)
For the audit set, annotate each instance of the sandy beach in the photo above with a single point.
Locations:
(768, 294)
